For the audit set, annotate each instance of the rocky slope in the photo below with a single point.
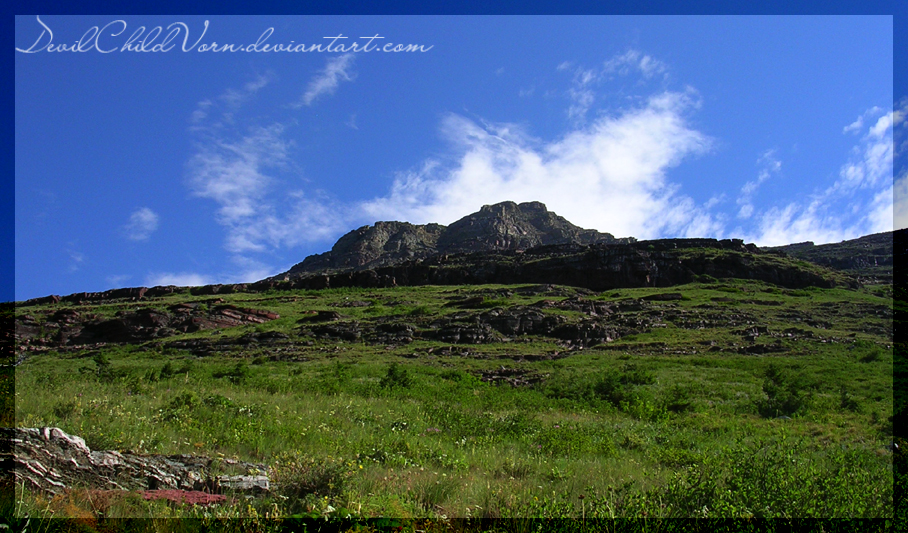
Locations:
(870, 256)
(503, 226)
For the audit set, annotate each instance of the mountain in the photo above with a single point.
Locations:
(503, 226)
(868, 257)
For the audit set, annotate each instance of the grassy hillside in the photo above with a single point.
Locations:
(729, 398)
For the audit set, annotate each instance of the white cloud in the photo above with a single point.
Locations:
(609, 176)
(233, 174)
(76, 258)
(326, 82)
(249, 270)
(769, 166)
(201, 111)
(858, 203)
(142, 223)
(858, 124)
(236, 98)
(229, 102)
(117, 280)
(582, 94)
(634, 60)
(181, 279)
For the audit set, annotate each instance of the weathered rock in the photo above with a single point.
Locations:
(348, 331)
(70, 327)
(503, 226)
(522, 321)
(50, 460)
(322, 316)
(587, 332)
(464, 334)
(511, 376)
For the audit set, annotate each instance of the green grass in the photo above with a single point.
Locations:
(675, 420)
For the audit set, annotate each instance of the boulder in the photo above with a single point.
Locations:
(50, 460)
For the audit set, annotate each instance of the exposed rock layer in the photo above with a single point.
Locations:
(50, 460)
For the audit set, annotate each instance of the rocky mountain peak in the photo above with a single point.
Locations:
(501, 226)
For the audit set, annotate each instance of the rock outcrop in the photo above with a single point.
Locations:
(503, 226)
(71, 327)
(49, 460)
(868, 256)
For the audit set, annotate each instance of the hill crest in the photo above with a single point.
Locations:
(497, 227)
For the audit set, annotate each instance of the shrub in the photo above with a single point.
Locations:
(617, 387)
(397, 376)
(866, 351)
(847, 402)
(168, 371)
(785, 394)
(678, 399)
(421, 310)
(299, 479)
(237, 375)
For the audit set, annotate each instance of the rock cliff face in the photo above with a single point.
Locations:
(383, 244)
(503, 226)
(510, 226)
(870, 256)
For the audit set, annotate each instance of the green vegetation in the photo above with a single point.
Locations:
(739, 400)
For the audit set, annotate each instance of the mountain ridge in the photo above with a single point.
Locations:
(502, 226)
(526, 243)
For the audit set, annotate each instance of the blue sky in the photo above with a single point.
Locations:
(190, 167)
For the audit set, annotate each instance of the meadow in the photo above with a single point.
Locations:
(719, 399)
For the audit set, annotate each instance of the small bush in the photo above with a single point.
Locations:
(865, 351)
(847, 402)
(299, 479)
(678, 399)
(184, 400)
(397, 376)
(237, 375)
(219, 402)
(785, 394)
(617, 387)
(422, 310)
(168, 370)
(65, 409)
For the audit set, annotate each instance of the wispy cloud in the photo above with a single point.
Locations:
(234, 98)
(233, 173)
(76, 258)
(229, 102)
(635, 61)
(769, 167)
(582, 92)
(611, 176)
(860, 201)
(858, 124)
(181, 279)
(117, 280)
(338, 69)
(258, 214)
(142, 223)
(249, 271)
(250, 175)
